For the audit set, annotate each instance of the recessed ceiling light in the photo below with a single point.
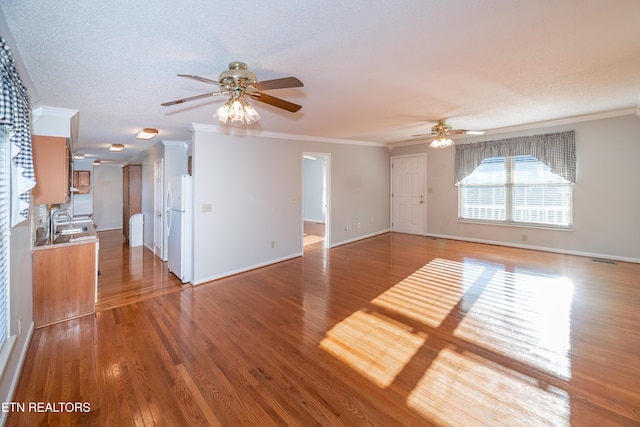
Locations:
(116, 147)
(78, 156)
(147, 133)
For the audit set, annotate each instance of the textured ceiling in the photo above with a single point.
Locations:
(374, 70)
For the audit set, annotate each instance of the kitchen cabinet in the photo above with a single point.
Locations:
(64, 282)
(82, 181)
(131, 195)
(51, 164)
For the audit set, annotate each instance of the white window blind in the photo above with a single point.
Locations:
(5, 229)
(517, 190)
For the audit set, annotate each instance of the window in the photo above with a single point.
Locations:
(518, 190)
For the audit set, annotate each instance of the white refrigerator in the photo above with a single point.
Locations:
(180, 227)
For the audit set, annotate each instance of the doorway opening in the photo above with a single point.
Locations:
(316, 198)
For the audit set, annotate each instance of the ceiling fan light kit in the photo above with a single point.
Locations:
(238, 81)
(441, 131)
(442, 141)
(237, 111)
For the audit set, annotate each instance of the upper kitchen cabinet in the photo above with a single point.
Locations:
(82, 182)
(51, 163)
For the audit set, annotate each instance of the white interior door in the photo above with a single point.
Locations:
(158, 211)
(408, 200)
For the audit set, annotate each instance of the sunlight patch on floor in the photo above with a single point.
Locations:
(524, 316)
(429, 294)
(456, 382)
(310, 239)
(372, 345)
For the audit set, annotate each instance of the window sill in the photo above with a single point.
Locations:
(517, 224)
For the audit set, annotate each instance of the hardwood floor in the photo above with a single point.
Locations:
(130, 274)
(395, 330)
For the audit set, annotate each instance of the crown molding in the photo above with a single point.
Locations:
(175, 143)
(200, 127)
(55, 112)
(537, 125)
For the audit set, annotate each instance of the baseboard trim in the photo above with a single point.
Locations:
(366, 236)
(245, 269)
(536, 248)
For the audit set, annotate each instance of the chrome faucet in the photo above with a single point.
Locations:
(53, 225)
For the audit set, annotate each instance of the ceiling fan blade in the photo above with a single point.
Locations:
(466, 132)
(424, 134)
(276, 102)
(193, 98)
(282, 83)
(201, 79)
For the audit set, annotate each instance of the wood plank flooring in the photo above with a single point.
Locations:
(130, 274)
(395, 330)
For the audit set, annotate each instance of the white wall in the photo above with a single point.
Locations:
(254, 187)
(606, 197)
(21, 297)
(107, 197)
(313, 189)
(147, 160)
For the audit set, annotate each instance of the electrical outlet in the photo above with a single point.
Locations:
(20, 326)
(358, 225)
(273, 244)
(524, 237)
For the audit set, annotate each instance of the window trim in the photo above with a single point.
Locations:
(6, 345)
(509, 205)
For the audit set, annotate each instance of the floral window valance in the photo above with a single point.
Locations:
(15, 116)
(556, 150)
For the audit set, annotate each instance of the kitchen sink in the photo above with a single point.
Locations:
(74, 230)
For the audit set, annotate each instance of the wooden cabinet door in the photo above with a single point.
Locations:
(51, 168)
(63, 283)
(82, 181)
(84, 178)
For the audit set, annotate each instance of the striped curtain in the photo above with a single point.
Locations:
(556, 150)
(15, 116)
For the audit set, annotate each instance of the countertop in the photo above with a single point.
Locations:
(89, 236)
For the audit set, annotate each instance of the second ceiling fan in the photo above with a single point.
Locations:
(238, 82)
(442, 130)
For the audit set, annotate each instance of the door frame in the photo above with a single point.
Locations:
(425, 189)
(158, 209)
(327, 196)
